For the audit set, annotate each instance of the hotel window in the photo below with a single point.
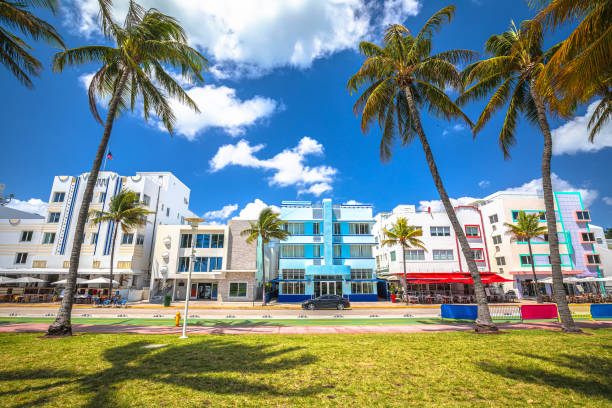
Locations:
(293, 273)
(361, 274)
(186, 240)
(526, 260)
(146, 200)
(216, 240)
(292, 251)
(101, 197)
(587, 236)
(593, 259)
(53, 217)
(316, 228)
(443, 254)
(497, 239)
(167, 211)
(440, 231)
(294, 228)
(93, 238)
(139, 239)
(203, 241)
(501, 261)
(478, 254)
(545, 237)
(21, 258)
(49, 237)
(293, 288)
(316, 251)
(200, 264)
(360, 251)
(183, 264)
(359, 228)
(392, 256)
(26, 236)
(127, 239)
(58, 197)
(337, 251)
(583, 216)
(215, 263)
(337, 229)
(415, 255)
(472, 231)
(238, 289)
(359, 288)
(493, 218)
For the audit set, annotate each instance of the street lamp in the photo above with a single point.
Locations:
(194, 227)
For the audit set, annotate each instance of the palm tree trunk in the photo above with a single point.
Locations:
(263, 270)
(404, 282)
(62, 325)
(535, 278)
(567, 322)
(112, 261)
(484, 323)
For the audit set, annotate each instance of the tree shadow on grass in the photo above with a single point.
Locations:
(207, 364)
(597, 384)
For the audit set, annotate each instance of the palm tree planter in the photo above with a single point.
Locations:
(131, 71)
(126, 212)
(268, 226)
(511, 74)
(406, 236)
(526, 228)
(400, 76)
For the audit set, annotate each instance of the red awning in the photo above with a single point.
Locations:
(451, 277)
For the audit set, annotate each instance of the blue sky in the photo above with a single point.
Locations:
(277, 121)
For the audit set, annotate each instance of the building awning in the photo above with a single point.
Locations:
(451, 277)
(50, 271)
(549, 272)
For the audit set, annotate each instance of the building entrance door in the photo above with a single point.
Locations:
(207, 291)
(327, 288)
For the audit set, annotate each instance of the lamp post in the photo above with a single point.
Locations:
(194, 227)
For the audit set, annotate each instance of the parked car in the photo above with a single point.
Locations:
(326, 302)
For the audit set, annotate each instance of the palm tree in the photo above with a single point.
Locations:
(400, 77)
(14, 51)
(126, 211)
(268, 226)
(133, 70)
(526, 228)
(406, 236)
(517, 61)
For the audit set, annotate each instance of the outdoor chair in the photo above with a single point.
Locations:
(106, 303)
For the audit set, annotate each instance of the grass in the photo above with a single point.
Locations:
(519, 368)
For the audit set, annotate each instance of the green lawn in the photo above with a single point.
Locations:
(519, 368)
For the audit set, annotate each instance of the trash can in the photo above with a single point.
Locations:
(167, 299)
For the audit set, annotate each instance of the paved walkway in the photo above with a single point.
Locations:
(271, 329)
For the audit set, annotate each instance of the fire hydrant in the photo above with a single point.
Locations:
(177, 319)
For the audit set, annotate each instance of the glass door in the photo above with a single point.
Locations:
(328, 288)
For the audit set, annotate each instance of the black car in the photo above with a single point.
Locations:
(326, 302)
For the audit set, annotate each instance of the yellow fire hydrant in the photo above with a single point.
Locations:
(177, 319)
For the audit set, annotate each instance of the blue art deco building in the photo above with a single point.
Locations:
(329, 252)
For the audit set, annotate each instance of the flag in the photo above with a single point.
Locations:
(109, 156)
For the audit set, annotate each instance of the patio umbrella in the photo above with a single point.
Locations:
(101, 281)
(28, 279)
(6, 279)
(79, 281)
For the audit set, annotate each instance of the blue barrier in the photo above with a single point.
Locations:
(459, 311)
(601, 310)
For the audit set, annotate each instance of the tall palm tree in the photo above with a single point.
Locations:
(125, 211)
(268, 226)
(14, 51)
(401, 76)
(133, 70)
(526, 228)
(517, 60)
(405, 236)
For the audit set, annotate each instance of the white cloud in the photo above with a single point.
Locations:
(484, 183)
(572, 137)
(221, 214)
(33, 205)
(251, 210)
(255, 36)
(456, 128)
(353, 202)
(608, 200)
(436, 205)
(288, 166)
(85, 80)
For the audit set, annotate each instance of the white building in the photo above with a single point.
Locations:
(603, 247)
(32, 245)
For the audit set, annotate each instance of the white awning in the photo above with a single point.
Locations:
(50, 271)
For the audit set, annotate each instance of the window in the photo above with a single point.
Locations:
(93, 238)
(337, 251)
(440, 231)
(186, 240)
(337, 229)
(364, 288)
(294, 228)
(127, 239)
(53, 217)
(526, 260)
(472, 231)
(58, 197)
(139, 239)
(359, 228)
(215, 263)
(493, 218)
(21, 258)
(443, 254)
(500, 261)
(497, 239)
(48, 237)
(593, 259)
(415, 255)
(216, 240)
(545, 237)
(478, 254)
(101, 197)
(316, 228)
(360, 251)
(583, 215)
(292, 251)
(542, 216)
(200, 264)
(182, 220)
(26, 236)
(238, 289)
(183, 264)
(587, 236)
(146, 200)
(167, 211)
(316, 251)
(515, 215)
(292, 288)
(361, 274)
(203, 241)
(392, 256)
(293, 273)
(599, 241)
